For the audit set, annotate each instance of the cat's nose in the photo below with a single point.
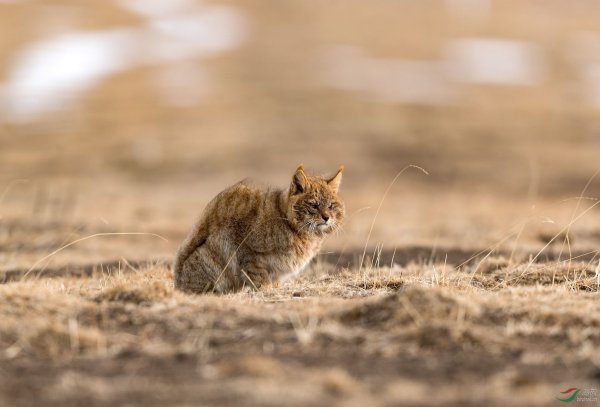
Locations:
(325, 217)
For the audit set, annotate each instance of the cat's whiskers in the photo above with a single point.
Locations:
(305, 224)
(335, 227)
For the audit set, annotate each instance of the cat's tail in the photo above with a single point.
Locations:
(195, 239)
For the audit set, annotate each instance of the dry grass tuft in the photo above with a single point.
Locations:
(153, 292)
(571, 275)
(410, 306)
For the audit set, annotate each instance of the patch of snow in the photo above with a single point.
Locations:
(215, 30)
(495, 61)
(388, 80)
(152, 9)
(49, 75)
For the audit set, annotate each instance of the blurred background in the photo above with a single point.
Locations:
(129, 115)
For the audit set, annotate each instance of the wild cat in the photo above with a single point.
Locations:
(248, 236)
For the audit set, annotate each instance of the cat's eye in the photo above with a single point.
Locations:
(330, 206)
(314, 205)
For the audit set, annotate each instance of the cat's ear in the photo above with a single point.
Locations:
(299, 181)
(336, 180)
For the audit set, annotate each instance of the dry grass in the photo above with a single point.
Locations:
(381, 335)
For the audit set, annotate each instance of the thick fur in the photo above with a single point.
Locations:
(248, 236)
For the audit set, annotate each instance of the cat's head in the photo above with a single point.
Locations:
(314, 206)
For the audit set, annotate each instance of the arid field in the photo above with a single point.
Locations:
(467, 272)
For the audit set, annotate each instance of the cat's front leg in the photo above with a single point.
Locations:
(258, 274)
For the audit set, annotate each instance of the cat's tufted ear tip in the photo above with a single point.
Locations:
(335, 181)
(300, 168)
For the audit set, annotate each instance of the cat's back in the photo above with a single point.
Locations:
(240, 201)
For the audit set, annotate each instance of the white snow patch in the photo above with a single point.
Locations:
(388, 80)
(469, 61)
(215, 30)
(495, 61)
(157, 8)
(49, 75)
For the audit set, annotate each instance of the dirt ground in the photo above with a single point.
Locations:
(467, 272)
(493, 333)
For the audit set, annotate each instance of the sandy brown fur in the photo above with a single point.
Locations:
(249, 236)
